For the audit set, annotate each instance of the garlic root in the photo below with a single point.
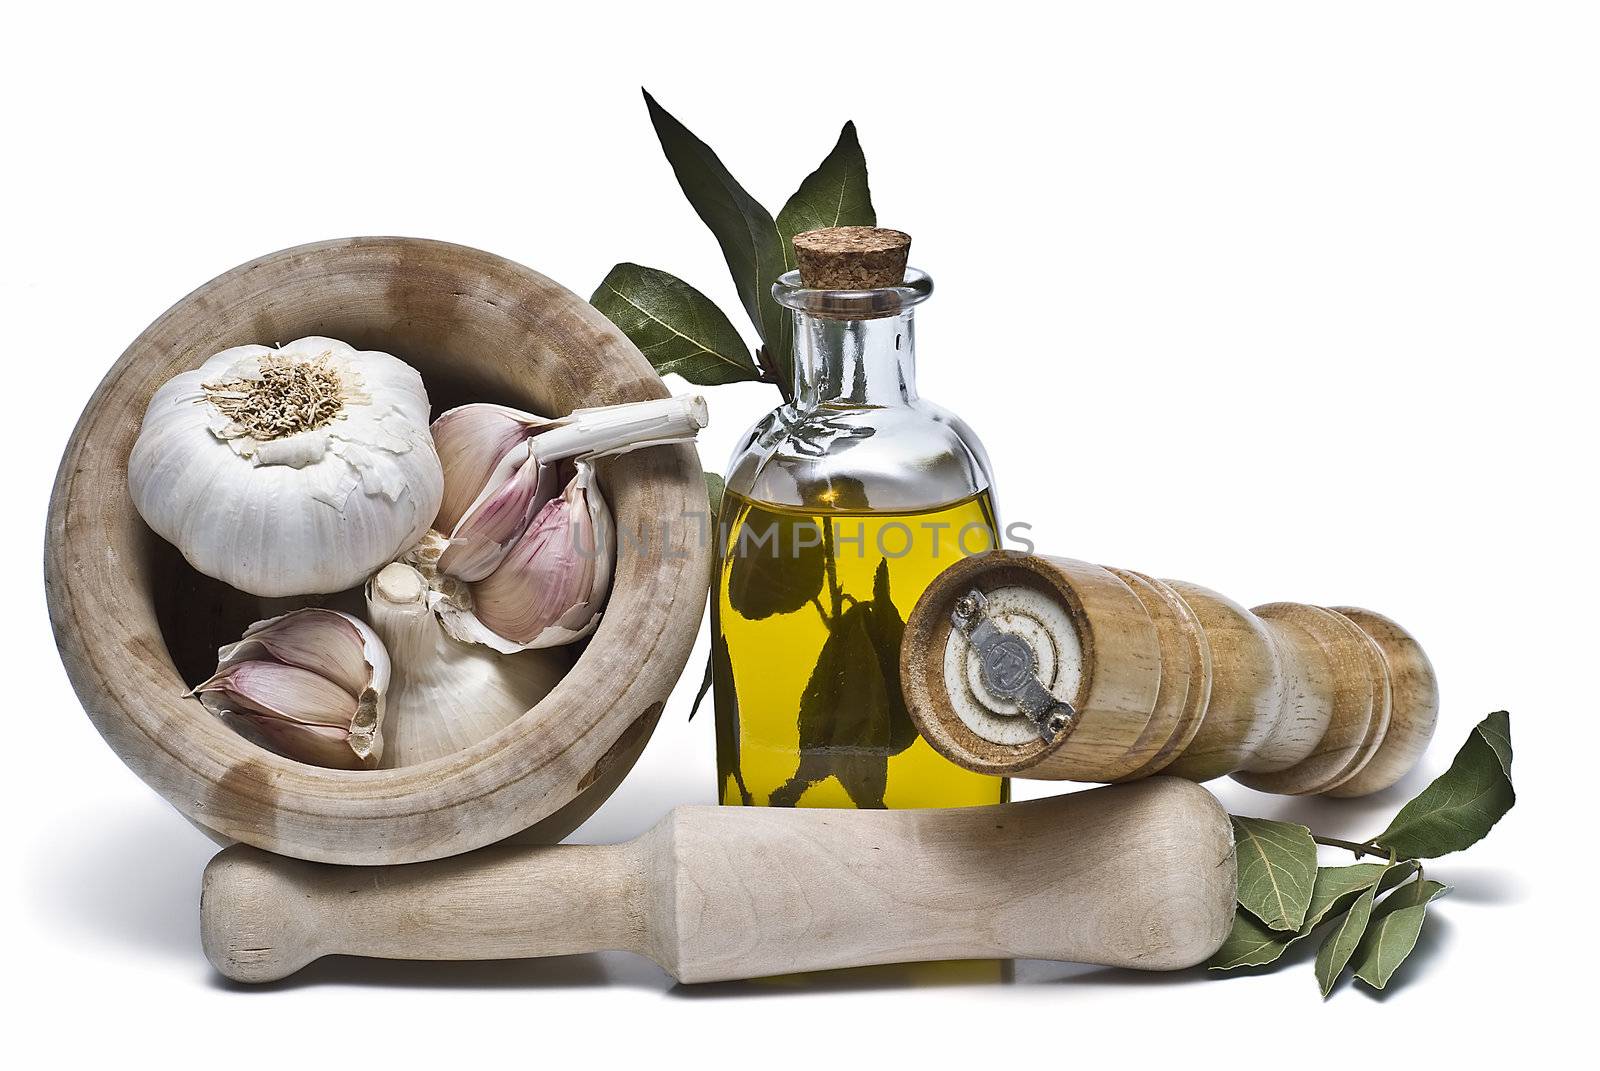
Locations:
(446, 695)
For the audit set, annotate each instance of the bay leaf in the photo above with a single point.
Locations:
(678, 329)
(1338, 886)
(886, 628)
(864, 775)
(836, 194)
(1250, 943)
(726, 718)
(705, 686)
(777, 563)
(716, 487)
(746, 232)
(1277, 870)
(1462, 804)
(1392, 934)
(1341, 942)
(845, 719)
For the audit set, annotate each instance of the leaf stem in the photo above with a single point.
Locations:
(1349, 846)
(834, 590)
(817, 602)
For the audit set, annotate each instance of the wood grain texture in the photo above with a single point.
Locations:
(134, 626)
(1115, 703)
(1413, 705)
(1185, 688)
(1288, 698)
(1138, 875)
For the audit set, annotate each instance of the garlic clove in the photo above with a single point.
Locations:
(472, 440)
(324, 642)
(328, 746)
(309, 684)
(553, 581)
(447, 695)
(274, 690)
(552, 594)
(479, 543)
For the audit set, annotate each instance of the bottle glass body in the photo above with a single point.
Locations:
(841, 507)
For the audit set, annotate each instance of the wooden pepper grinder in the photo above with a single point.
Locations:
(1044, 667)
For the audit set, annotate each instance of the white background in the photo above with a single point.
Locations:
(1294, 301)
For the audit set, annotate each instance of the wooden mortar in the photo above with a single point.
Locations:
(1166, 676)
(136, 626)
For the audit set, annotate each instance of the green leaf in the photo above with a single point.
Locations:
(1252, 944)
(674, 325)
(1338, 886)
(1462, 804)
(1393, 932)
(716, 487)
(777, 564)
(1249, 944)
(1496, 732)
(726, 723)
(886, 629)
(834, 195)
(1340, 944)
(705, 686)
(845, 717)
(1277, 870)
(746, 231)
(845, 702)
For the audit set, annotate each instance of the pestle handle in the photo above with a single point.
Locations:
(1139, 875)
(264, 916)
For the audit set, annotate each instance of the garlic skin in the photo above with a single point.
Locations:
(530, 547)
(553, 582)
(309, 685)
(446, 695)
(298, 470)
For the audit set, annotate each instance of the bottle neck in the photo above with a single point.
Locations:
(854, 362)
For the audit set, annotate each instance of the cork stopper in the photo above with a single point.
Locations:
(852, 258)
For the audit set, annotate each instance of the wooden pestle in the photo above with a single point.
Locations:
(1133, 875)
(1161, 676)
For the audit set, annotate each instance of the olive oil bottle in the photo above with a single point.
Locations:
(841, 507)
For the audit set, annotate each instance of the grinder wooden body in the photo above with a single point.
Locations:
(1134, 875)
(1166, 676)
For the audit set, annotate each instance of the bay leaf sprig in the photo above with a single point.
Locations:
(1370, 914)
(680, 330)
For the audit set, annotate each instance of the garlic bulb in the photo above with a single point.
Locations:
(531, 544)
(291, 471)
(309, 685)
(446, 695)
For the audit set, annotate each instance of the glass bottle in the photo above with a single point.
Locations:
(841, 507)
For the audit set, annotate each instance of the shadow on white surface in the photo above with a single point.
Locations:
(125, 878)
(887, 976)
(1436, 936)
(131, 879)
(597, 970)
(1476, 884)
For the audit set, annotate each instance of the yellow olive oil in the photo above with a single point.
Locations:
(809, 609)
